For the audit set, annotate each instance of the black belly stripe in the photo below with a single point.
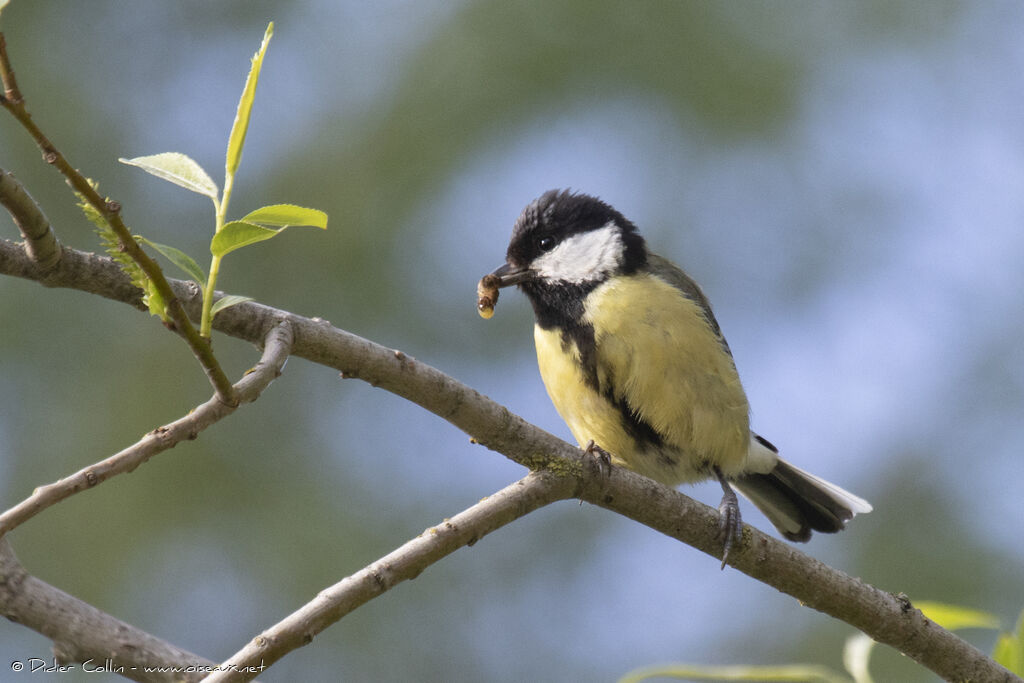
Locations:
(633, 423)
(561, 307)
(638, 429)
(581, 336)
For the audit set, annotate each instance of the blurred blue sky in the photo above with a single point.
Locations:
(860, 246)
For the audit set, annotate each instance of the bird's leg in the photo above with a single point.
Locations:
(730, 524)
(603, 457)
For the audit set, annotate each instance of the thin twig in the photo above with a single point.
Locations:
(40, 242)
(887, 619)
(11, 92)
(534, 491)
(110, 210)
(278, 345)
(81, 633)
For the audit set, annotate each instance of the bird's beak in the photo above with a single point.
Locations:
(487, 290)
(508, 275)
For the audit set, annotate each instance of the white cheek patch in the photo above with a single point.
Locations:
(583, 257)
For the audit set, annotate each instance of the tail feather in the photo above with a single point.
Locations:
(798, 502)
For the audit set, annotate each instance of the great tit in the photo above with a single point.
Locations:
(635, 363)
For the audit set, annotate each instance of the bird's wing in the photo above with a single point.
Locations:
(659, 359)
(672, 274)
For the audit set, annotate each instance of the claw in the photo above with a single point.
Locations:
(603, 457)
(730, 523)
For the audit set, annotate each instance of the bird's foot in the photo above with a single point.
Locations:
(730, 523)
(602, 457)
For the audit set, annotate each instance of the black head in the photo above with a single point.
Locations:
(566, 237)
(563, 246)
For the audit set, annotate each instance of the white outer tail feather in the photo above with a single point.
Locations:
(795, 500)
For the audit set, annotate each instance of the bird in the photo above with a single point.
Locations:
(634, 361)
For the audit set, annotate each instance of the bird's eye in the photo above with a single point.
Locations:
(546, 243)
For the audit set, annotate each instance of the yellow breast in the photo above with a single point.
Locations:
(656, 352)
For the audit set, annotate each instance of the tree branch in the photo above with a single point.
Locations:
(40, 242)
(534, 491)
(10, 84)
(275, 353)
(81, 633)
(888, 619)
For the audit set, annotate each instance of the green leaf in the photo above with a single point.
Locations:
(241, 125)
(953, 617)
(238, 234)
(179, 169)
(1009, 652)
(1009, 649)
(227, 301)
(180, 259)
(285, 215)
